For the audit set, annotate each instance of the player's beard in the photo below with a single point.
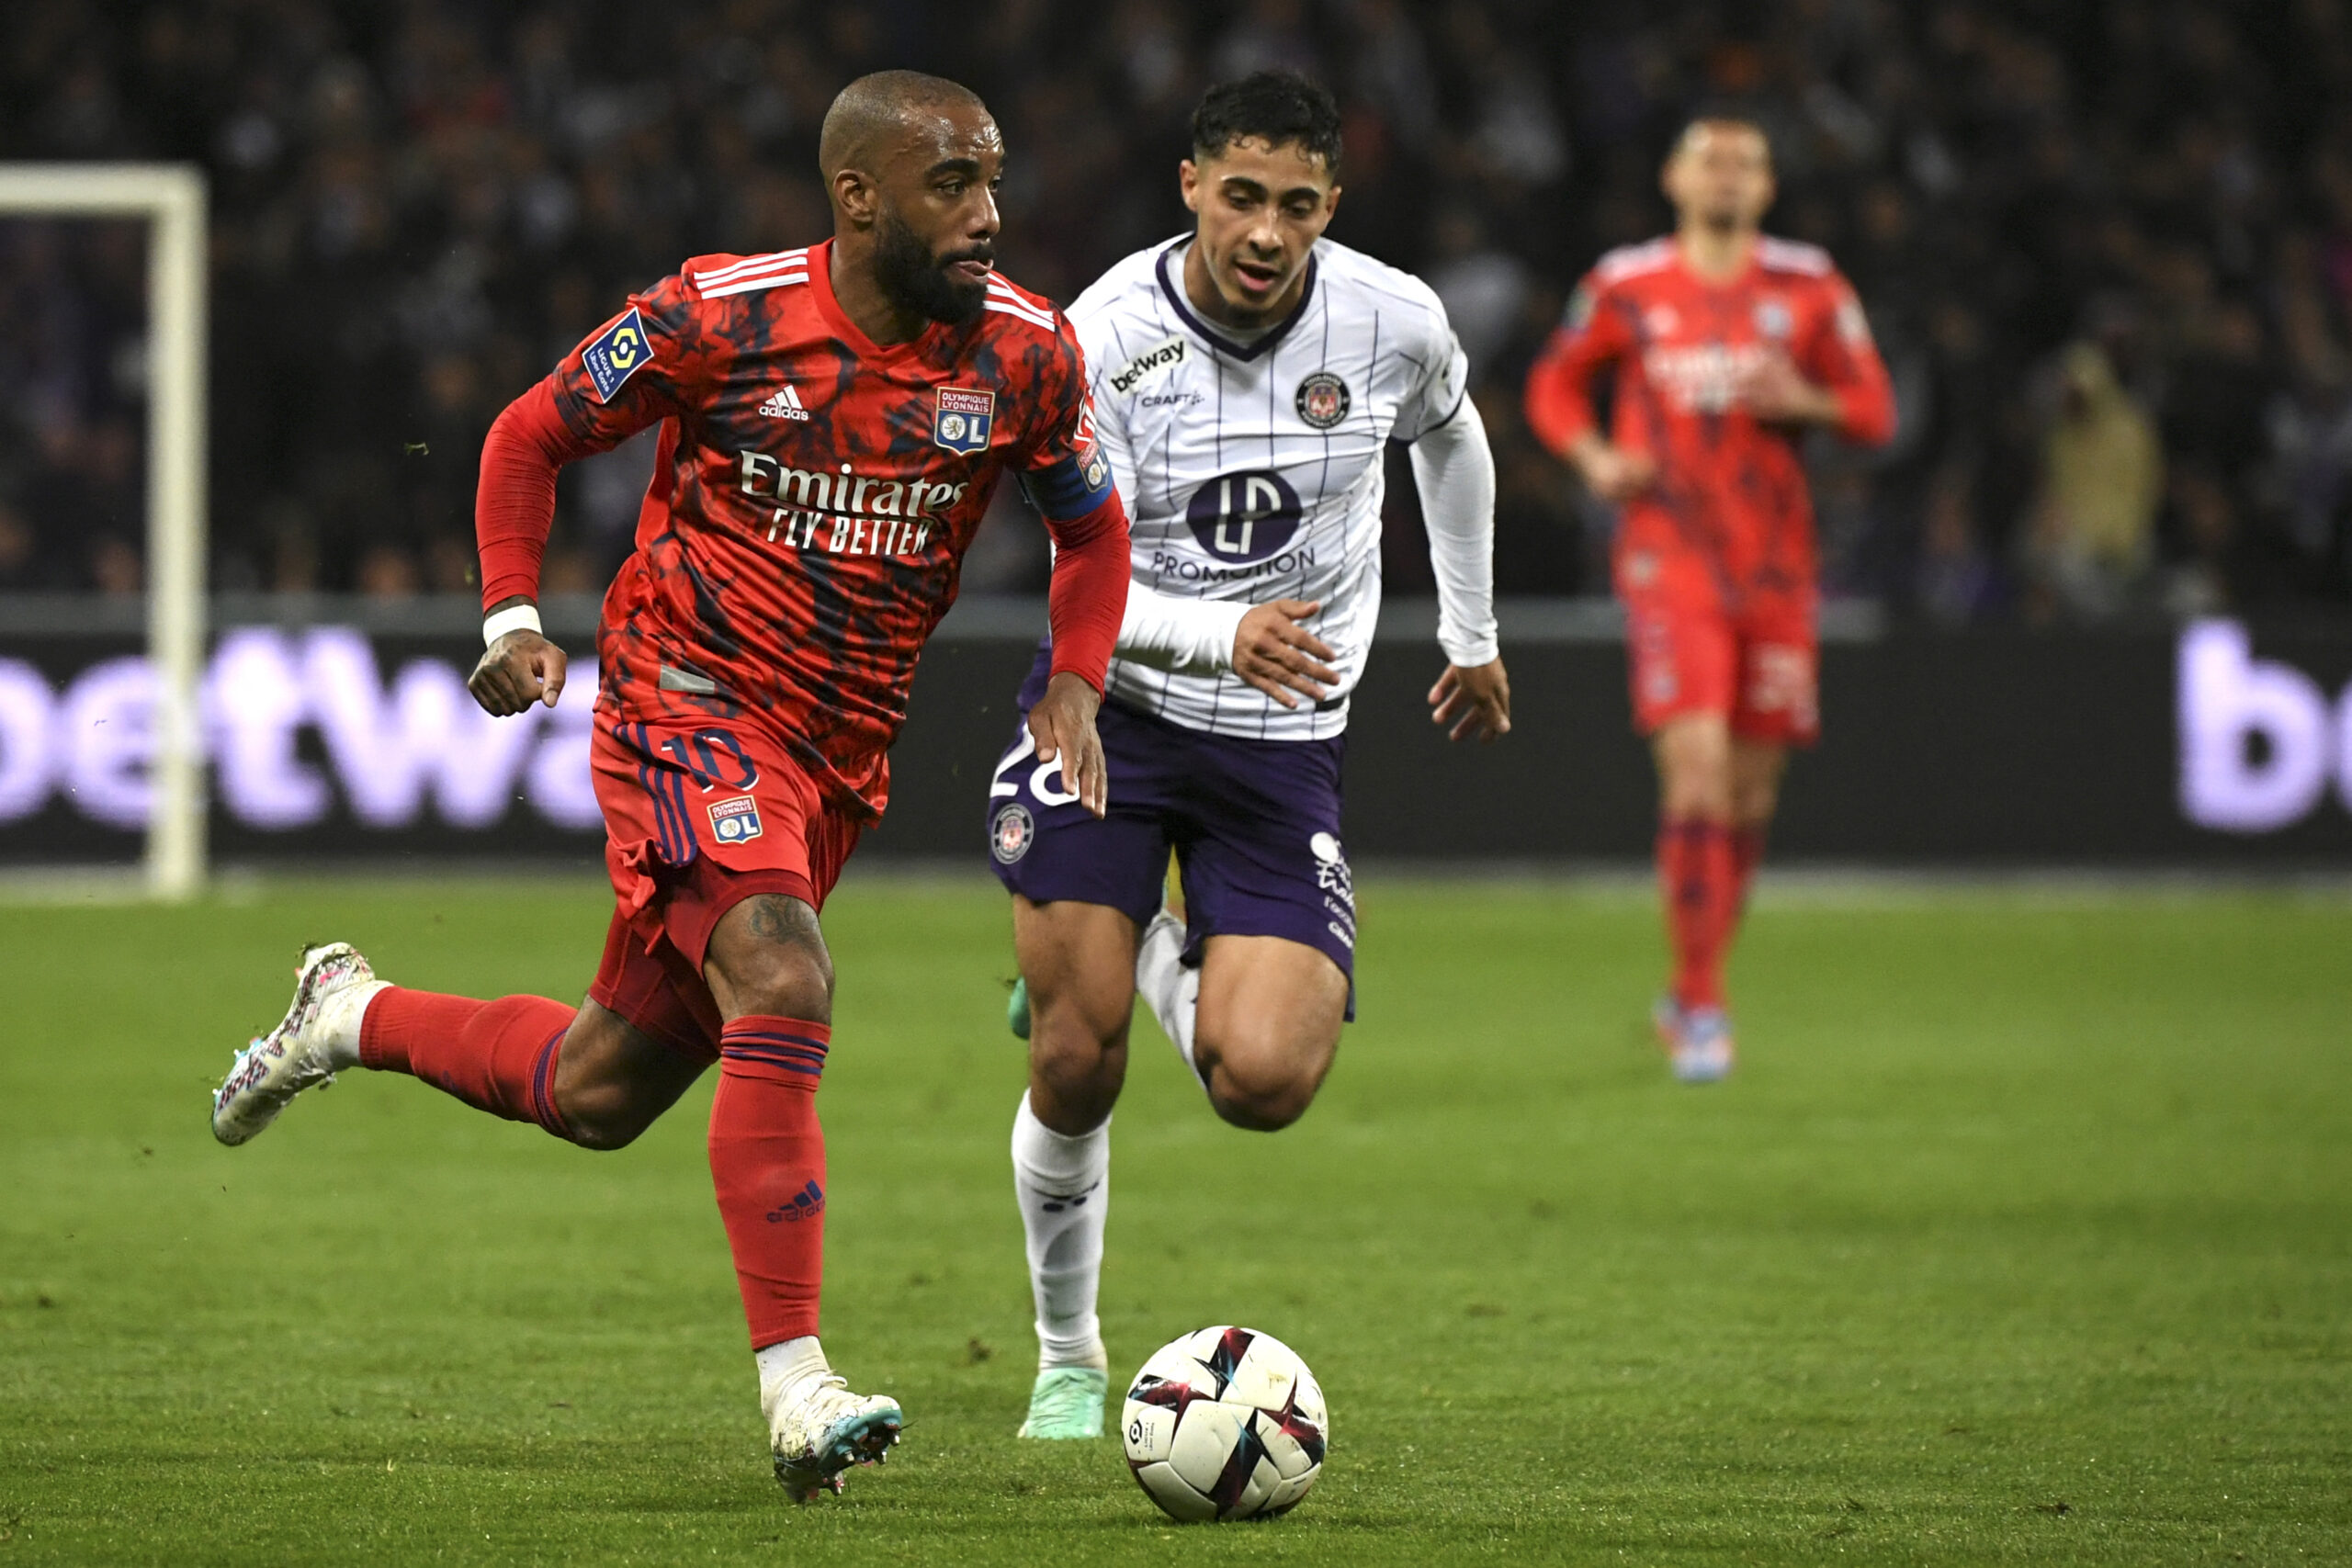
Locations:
(916, 280)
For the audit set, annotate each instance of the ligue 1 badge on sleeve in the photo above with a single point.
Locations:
(615, 355)
(962, 419)
(1322, 399)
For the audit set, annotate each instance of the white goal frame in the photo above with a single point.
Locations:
(170, 197)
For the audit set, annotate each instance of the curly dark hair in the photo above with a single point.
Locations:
(1278, 108)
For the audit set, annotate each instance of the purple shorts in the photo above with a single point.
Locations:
(1255, 825)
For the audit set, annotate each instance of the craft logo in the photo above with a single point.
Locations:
(615, 355)
(962, 419)
(736, 821)
(1322, 399)
(1011, 833)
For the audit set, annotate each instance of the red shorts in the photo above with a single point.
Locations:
(1758, 667)
(697, 818)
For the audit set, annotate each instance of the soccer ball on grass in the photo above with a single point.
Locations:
(1226, 1424)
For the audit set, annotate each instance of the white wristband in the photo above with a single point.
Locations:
(513, 618)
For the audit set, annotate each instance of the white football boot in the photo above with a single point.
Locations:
(817, 1429)
(319, 1037)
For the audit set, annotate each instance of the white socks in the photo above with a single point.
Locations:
(337, 1026)
(1064, 1185)
(1170, 990)
(787, 1369)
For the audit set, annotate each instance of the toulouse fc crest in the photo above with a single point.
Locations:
(962, 419)
(1011, 833)
(1321, 399)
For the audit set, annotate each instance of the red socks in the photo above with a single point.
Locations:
(497, 1057)
(767, 1162)
(1697, 875)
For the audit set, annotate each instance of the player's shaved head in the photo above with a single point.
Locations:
(911, 164)
(876, 115)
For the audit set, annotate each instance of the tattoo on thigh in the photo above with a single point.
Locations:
(774, 917)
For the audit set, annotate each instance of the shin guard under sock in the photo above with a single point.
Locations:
(498, 1056)
(767, 1164)
(1695, 879)
(1063, 1184)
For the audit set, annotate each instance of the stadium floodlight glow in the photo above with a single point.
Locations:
(170, 196)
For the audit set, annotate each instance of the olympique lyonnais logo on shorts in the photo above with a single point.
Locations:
(1322, 399)
(1011, 833)
(962, 420)
(735, 821)
(615, 355)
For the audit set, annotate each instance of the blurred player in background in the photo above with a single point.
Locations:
(833, 420)
(1245, 380)
(1727, 346)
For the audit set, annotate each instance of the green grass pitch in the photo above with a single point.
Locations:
(2024, 1234)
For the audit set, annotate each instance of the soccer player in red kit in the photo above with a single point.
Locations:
(833, 420)
(1727, 345)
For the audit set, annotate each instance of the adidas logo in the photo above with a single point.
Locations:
(784, 404)
(810, 1200)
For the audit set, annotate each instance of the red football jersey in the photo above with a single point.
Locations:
(813, 494)
(1729, 486)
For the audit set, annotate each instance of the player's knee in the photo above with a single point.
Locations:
(1754, 805)
(1078, 1053)
(1700, 793)
(786, 979)
(602, 1116)
(1261, 1091)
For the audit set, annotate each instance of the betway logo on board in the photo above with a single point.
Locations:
(292, 725)
(2260, 741)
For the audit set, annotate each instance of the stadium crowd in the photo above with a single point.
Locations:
(2107, 248)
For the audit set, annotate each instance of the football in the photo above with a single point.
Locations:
(1226, 1424)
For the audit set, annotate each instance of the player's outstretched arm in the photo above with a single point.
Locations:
(1266, 646)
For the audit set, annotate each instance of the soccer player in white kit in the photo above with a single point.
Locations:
(1246, 378)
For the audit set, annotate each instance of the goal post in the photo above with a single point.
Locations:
(170, 197)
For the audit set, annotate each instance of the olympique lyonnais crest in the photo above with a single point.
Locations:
(963, 419)
(736, 821)
(1011, 833)
(1322, 399)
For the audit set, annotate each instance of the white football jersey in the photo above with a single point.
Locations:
(1251, 470)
